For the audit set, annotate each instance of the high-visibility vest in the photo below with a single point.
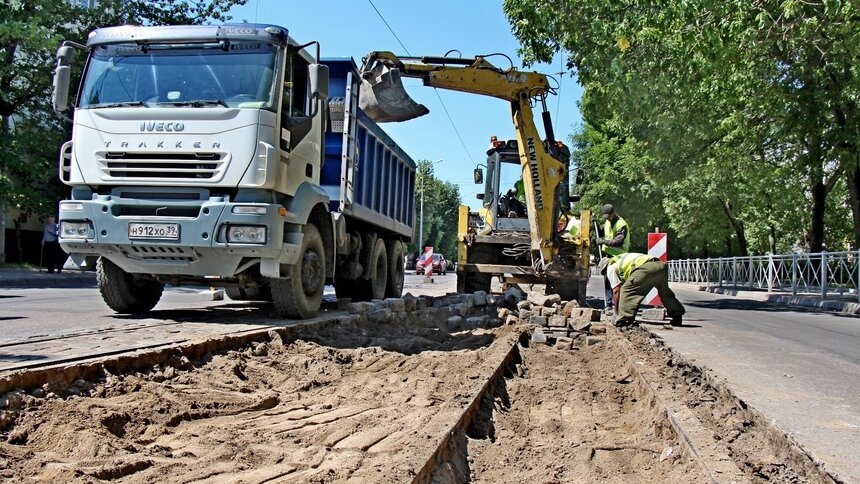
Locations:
(521, 191)
(609, 231)
(568, 223)
(629, 262)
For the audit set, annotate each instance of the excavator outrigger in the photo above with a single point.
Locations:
(531, 250)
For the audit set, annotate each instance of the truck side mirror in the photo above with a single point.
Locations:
(62, 77)
(479, 176)
(60, 98)
(318, 75)
(580, 176)
(65, 54)
(479, 196)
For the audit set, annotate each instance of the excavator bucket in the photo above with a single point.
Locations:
(384, 98)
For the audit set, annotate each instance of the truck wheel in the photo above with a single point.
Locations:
(299, 295)
(375, 287)
(473, 282)
(237, 293)
(124, 292)
(396, 270)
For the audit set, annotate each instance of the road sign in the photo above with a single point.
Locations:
(656, 248)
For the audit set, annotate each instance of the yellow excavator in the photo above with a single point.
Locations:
(539, 246)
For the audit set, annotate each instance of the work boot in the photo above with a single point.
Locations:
(676, 321)
(624, 322)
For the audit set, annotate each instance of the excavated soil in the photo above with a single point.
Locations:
(727, 427)
(576, 416)
(366, 401)
(341, 403)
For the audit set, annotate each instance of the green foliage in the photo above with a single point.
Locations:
(734, 121)
(168, 12)
(441, 209)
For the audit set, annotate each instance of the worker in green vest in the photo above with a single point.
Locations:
(632, 276)
(616, 233)
(516, 199)
(615, 241)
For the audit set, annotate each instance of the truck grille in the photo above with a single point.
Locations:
(173, 166)
(159, 253)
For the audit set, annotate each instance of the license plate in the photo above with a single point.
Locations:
(153, 231)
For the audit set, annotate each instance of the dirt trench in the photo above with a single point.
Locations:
(340, 403)
(371, 397)
(571, 416)
(601, 413)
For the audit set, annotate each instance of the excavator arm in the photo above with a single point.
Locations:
(383, 98)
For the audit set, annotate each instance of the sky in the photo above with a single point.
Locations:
(352, 28)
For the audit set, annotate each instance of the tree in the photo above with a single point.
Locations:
(30, 133)
(441, 211)
(733, 93)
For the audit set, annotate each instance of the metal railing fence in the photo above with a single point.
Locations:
(824, 274)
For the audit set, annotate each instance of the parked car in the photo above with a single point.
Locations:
(440, 265)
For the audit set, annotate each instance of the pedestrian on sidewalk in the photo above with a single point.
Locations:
(632, 276)
(615, 241)
(51, 250)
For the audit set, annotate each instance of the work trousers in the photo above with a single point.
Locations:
(652, 274)
(53, 256)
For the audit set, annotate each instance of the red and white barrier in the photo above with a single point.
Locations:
(657, 247)
(428, 262)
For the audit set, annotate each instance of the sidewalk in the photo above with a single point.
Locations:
(23, 278)
(843, 305)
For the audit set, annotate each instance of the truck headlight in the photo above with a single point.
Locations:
(75, 230)
(246, 234)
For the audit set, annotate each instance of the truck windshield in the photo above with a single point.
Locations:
(238, 74)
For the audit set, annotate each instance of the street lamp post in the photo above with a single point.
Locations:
(421, 216)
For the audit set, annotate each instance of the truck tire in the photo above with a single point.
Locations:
(124, 292)
(300, 293)
(376, 286)
(396, 269)
(237, 293)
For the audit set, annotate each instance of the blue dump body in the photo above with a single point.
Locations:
(368, 178)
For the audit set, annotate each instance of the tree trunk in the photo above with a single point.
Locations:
(18, 246)
(819, 199)
(853, 178)
(4, 211)
(771, 239)
(736, 225)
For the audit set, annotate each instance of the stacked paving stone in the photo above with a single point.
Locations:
(452, 312)
(556, 321)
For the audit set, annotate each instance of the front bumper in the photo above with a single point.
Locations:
(201, 249)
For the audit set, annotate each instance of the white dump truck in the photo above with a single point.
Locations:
(229, 156)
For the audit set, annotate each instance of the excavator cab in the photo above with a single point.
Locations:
(504, 206)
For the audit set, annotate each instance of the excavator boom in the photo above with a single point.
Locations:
(384, 99)
(383, 92)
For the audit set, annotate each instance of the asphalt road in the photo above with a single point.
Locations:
(800, 367)
(27, 313)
